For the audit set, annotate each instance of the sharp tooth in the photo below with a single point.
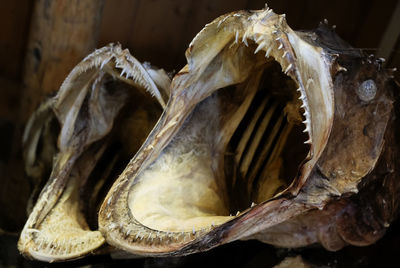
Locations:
(237, 213)
(280, 46)
(137, 235)
(284, 54)
(123, 72)
(237, 37)
(274, 31)
(260, 46)
(41, 243)
(104, 63)
(268, 51)
(308, 141)
(306, 130)
(259, 38)
(252, 204)
(244, 40)
(288, 68)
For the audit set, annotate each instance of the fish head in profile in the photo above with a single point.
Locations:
(288, 137)
(269, 134)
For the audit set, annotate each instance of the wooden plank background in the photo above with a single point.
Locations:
(157, 31)
(160, 30)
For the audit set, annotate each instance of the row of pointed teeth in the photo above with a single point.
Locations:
(239, 212)
(306, 115)
(131, 71)
(62, 247)
(260, 40)
(124, 61)
(303, 97)
(161, 236)
(165, 236)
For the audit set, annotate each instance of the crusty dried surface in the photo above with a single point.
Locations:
(106, 89)
(268, 133)
(175, 159)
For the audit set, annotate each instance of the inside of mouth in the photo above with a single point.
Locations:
(239, 147)
(131, 128)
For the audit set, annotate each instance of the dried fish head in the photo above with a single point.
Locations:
(284, 136)
(94, 117)
(269, 133)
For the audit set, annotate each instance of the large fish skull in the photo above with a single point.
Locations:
(228, 160)
(272, 134)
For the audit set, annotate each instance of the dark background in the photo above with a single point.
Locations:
(41, 41)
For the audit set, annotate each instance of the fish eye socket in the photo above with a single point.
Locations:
(366, 91)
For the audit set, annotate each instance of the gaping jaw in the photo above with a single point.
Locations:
(105, 92)
(222, 144)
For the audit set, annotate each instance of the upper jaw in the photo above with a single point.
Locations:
(310, 66)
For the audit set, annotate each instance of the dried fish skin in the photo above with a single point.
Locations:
(186, 150)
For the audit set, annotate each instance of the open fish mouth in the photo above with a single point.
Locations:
(262, 135)
(80, 139)
(247, 119)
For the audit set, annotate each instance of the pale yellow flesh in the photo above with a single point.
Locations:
(181, 191)
(64, 233)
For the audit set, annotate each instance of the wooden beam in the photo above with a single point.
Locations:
(391, 35)
(62, 32)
